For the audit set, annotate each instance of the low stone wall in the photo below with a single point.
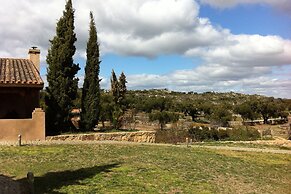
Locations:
(140, 136)
(29, 129)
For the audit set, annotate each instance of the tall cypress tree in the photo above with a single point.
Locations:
(117, 112)
(118, 91)
(62, 83)
(114, 87)
(122, 88)
(91, 87)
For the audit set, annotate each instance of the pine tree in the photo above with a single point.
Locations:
(62, 83)
(91, 87)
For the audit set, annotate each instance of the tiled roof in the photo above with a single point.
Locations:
(19, 73)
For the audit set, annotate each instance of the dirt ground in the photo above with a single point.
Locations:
(278, 141)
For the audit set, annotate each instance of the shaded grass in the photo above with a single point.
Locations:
(97, 168)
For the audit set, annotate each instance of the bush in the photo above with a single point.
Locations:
(215, 134)
(243, 134)
(173, 136)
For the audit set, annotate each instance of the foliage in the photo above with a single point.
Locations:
(171, 135)
(269, 108)
(118, 91)
(114, 87)
(122, 90)
(42, 96)
(91, 87)
(62, 83)
(248, 110)
(78, 101)
(107, 106)
(221, 115)
(159, 109)
(243, 133)
(156, 103)
(163, 117)
(209, 107)
(189, 108)
(215, 134)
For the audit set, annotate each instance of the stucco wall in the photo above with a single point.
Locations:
(29, 129)
(140, 136)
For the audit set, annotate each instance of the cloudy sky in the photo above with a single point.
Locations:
(184, 45)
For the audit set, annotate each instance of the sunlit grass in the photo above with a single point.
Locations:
(97, 168)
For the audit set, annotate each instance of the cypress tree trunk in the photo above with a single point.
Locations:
(62, 83)
(91, 87)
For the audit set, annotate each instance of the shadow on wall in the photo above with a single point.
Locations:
(55, 180)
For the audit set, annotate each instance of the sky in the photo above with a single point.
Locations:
(184, 45)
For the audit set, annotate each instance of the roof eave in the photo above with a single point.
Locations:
(8, 85)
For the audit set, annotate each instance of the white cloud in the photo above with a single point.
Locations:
(283, 5)
(247, 50)
(193, 80)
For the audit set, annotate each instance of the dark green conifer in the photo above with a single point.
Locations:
(114, 87)
(118, 91)
(62, 83)
(91, 87)
(122, 86)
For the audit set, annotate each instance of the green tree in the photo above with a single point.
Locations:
(118, 91)
(114, 87)
(62, 83)
(91, 88)
(247, 110)
(163, 117)
(107, 106)
(221, 115)
(190, 108)
(157, 103)
(159, 109)
(268, 108)
(122, 90)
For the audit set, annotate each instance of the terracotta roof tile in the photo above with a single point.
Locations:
(19, 73)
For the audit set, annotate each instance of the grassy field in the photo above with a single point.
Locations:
(243, 144)
(97, 168)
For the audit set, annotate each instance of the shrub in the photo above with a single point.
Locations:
(172, 135)
(215, 134)
(243, 134)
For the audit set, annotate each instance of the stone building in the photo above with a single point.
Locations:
(20, 85)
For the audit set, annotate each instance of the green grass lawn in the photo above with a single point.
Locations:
(97, 168)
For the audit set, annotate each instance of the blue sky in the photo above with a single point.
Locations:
(242, 19)
(184, 45)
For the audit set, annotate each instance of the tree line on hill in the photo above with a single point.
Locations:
(214, 108)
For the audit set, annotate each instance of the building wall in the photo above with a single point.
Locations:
(18, 103)
(30, 129)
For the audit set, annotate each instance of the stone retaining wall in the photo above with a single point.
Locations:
(140, 136)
